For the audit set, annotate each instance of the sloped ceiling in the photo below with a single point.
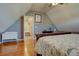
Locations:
(65, 17)
(9, 13)
(40, 7)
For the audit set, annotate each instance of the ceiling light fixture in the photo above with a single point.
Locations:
(54, 3)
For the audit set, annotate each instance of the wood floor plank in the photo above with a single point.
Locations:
(21, 49)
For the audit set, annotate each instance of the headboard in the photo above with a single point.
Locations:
(50, 34)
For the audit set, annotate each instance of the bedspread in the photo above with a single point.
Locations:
(59, 45)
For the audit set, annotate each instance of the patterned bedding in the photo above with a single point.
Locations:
(59, 45)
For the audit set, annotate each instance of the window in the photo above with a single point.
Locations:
(38, 18)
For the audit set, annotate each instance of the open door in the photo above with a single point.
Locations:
(28, 27)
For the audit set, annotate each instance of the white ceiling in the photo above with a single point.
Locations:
(65, 17)
(40, 7)
(10, 12)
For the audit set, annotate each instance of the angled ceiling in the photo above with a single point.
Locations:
(10, 13)
(65, 17)
(40, 7)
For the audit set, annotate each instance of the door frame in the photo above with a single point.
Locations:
(22, 26)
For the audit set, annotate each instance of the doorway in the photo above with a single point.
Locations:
(28, 27)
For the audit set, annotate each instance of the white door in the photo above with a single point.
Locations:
(28, 27)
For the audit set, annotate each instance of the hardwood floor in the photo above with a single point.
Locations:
(23, 48)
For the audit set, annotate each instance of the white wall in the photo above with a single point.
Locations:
(10, 12)
(65, 17)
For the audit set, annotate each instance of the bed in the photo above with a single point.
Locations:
(58, 45)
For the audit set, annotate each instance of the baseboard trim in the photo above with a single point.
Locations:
(12, 42)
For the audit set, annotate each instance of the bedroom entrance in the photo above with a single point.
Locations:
(29, 35)
(28, 27)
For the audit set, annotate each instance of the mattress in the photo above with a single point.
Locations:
(59, 45)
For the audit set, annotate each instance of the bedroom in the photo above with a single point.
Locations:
(31, 29)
